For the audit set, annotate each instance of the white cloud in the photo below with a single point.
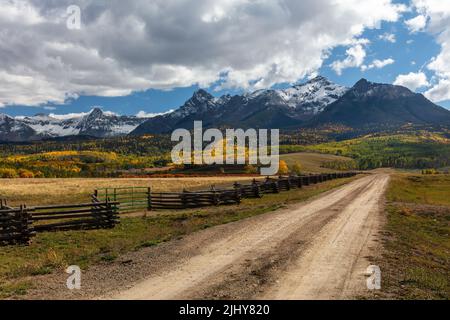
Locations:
(440, 91)
(79, 114)
(130, 46)
(412, 81)
(355, 58)
(143, 114)
(438, 15)
(378, 64)
(68, 115)
(389, 37)
(416, 24)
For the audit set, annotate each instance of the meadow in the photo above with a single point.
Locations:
(78, 190)
(420, 150)
(313, 162)
(415, 262)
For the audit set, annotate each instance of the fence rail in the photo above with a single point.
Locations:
(214, 197)
(15, 225)
(18, 225)
(96, 215)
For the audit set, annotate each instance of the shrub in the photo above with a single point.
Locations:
(39, 174)
(283, 168)
(430, 171)
(8, 173)
(24, 173)
(296, 168)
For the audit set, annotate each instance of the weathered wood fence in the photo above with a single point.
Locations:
(96, 215)
(129, 198)
(15, 225)
(196, 199)
(149, 200)
(18, 225)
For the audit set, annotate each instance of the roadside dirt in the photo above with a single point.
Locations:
(318, 249)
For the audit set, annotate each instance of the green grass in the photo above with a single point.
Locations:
(419, 150)
(415, 262)
(54, 251)
(424, 189)
(313, 162)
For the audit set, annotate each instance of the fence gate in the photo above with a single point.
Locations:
(130, 198)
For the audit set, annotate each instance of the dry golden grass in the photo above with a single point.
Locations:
(311, 162)
(58, 191)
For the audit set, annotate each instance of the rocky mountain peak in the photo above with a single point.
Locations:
(202, 96)
(4, 116)
(388, 91)
(95, 113)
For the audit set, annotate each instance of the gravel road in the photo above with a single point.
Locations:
(318, 249)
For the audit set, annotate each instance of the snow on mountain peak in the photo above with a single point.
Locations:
(314, 95)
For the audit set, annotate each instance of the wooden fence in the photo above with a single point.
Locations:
(18, 225)
(96, 215)
(187, 199)
(129, 198)
(214, 197)
(15, 225)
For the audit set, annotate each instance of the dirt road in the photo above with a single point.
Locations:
(314, 250)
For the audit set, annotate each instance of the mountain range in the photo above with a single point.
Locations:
(315, 103)
(96, 123)
(284, 108)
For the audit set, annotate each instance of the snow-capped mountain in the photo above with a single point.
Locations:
(48, 126)
(95, 123)
(14, 130)
(100, 124)
(200, 102)
(312, 97)
(260, 109)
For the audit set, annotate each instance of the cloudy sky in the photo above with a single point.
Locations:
(139, 55)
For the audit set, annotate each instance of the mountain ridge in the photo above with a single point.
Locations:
(370, 104)
(96, 123)
(271, 108)
(315, 103)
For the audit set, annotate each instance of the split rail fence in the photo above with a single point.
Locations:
(18, 225)
(143, 198)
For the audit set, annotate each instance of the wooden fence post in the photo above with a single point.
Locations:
(299, 182)
(215, 198)
(183, 199)
(24, 225)
(149, 198)
(237, 195)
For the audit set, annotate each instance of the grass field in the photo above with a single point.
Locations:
(416, 260)
(46, 191)
(74, 190)
(313, 162)
(55, 251)
(421, 150)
